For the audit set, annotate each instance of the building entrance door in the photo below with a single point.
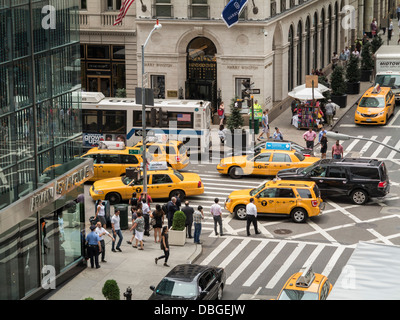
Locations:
(99, 84)
(202, 71)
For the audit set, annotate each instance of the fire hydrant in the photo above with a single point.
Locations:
(128, 294)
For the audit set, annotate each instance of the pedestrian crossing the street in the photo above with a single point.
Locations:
(268, 263)
(358, 148)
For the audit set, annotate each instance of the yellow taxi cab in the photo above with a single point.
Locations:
(265, 162)
(306, 285)
(172, 151)
(111, 158)
(298, 200)
(161, 184)
(376, 106)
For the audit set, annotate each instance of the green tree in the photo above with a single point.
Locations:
(338, 85)
(235, 119)
(376, 43)
(121, 93)
(367, 63)
(111, 290)
(353, 70)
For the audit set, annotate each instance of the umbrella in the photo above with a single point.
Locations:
(321, 88)
(306, 94)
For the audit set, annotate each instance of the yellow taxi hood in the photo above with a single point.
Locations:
(239, 194)
(108, 183)
(370, 110)
(236, 159)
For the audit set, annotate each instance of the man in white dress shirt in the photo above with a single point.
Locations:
(251, 211)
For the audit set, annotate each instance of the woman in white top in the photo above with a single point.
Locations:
(101, 213)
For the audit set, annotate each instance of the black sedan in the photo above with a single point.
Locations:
(191, 282)
(261, 145)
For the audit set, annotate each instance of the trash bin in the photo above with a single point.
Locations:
(256, 125)
(123, 215)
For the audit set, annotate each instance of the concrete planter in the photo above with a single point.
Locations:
(176, 237)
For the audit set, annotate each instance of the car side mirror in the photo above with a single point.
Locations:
(257, 196)
(152, 288)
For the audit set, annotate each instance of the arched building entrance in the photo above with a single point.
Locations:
(201, 70)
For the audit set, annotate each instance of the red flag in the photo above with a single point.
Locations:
(122, 12)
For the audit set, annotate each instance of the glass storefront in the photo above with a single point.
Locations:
(49, 239)
(41, 180)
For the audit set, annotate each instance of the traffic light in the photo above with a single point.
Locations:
(238, 103)
(163, 118)
(153, 117)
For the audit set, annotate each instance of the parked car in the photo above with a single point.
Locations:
(359, 179)
(191, 282)
(261, 145)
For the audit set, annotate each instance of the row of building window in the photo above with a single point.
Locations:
(198, 9)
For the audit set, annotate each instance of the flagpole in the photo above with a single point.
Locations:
(144, 136)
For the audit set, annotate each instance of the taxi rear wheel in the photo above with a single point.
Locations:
(113, 197)
(299, 215)
(240, 212)
(235, 172)
(175, 192)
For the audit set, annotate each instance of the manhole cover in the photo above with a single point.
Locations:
(283, 231)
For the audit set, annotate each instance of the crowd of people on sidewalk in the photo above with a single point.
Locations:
(144, 220)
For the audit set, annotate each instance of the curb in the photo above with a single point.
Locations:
(195, 255)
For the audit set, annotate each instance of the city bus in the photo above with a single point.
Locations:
(111, 119)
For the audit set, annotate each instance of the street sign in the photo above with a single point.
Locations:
(286, 146)
(148, 96)
(253, 91)
(134, 151)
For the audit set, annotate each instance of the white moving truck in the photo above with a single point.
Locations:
(387, 68)
(372, 273)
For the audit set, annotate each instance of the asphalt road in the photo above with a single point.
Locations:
(258, 266)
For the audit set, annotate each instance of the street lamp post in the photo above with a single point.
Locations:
(340, 136)
(144, 135)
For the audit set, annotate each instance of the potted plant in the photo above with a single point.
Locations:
(111, 290)
(177, 233)
(367, 63)
(376, 43)
(338, 86)
(237, 138)
(353, 75)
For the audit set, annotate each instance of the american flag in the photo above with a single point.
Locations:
(122, 12)
(183, 117)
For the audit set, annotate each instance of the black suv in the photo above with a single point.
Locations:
(359, 179)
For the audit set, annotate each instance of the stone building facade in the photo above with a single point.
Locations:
(194, 55)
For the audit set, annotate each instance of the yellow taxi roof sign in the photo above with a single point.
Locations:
(111, 145)
(377, 89)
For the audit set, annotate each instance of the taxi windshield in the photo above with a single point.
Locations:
(257, 190)
(288, 294)
(371, 102)
(129, 181)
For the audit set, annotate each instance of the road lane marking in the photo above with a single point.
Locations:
(380, 147)
(234, 253)
(217, 251)
(246, 262)
(264, 264)
(286, 265)
(333, 260)
(351, 146)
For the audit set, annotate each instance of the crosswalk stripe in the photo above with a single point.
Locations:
(333, 260)
(264, 264)
(393, 153)
(351, 146)
(278, 275)
(366, 146)
(246, 262)
(234, 253)
(380, 147)
(217, 251)
(313, 256)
